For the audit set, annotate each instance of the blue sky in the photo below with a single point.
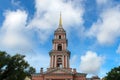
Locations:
(93, 31)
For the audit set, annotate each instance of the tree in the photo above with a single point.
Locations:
(114, 74)
(14, 67)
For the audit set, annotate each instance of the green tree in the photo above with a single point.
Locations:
(14, 67)
(114, 74)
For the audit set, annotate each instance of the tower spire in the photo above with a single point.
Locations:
(60, 21)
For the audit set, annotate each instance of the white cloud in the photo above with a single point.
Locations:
(118, 50)
(47, 15)
(107, 27)
(15, 30)
(12, 31)
(45, 20)
(91, 62)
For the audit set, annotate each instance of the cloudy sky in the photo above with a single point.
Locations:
(92, 26)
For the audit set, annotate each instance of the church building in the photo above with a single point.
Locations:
(59, 60)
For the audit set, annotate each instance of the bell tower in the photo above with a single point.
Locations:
(59, 60)
(59, 55)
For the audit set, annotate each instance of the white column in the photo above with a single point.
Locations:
(56, 47)
(62, 46)
(55, 61)
(52, 62)
(63, 61)
(66, 61)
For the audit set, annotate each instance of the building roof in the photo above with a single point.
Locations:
(59, 71)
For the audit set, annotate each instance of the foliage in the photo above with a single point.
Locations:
(14, 67)
(114, 74)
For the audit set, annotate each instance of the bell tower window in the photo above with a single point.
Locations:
(59, 36)
(59, 62)
(59, 47)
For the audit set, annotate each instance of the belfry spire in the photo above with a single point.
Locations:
(60, 21)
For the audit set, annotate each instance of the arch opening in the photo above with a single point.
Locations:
(59, 36)
(59, 47)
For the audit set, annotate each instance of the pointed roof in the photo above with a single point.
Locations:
(60, 28)
(60, 21)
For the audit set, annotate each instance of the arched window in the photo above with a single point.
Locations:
(59, 36)
(59, 60)
(59, 47)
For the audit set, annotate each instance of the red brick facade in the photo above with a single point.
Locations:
(59, 60)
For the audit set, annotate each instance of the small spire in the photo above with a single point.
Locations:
(60, 21)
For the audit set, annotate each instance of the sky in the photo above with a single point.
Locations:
(92, 26)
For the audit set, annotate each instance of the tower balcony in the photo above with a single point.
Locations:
(59, 52)
(60, 40)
